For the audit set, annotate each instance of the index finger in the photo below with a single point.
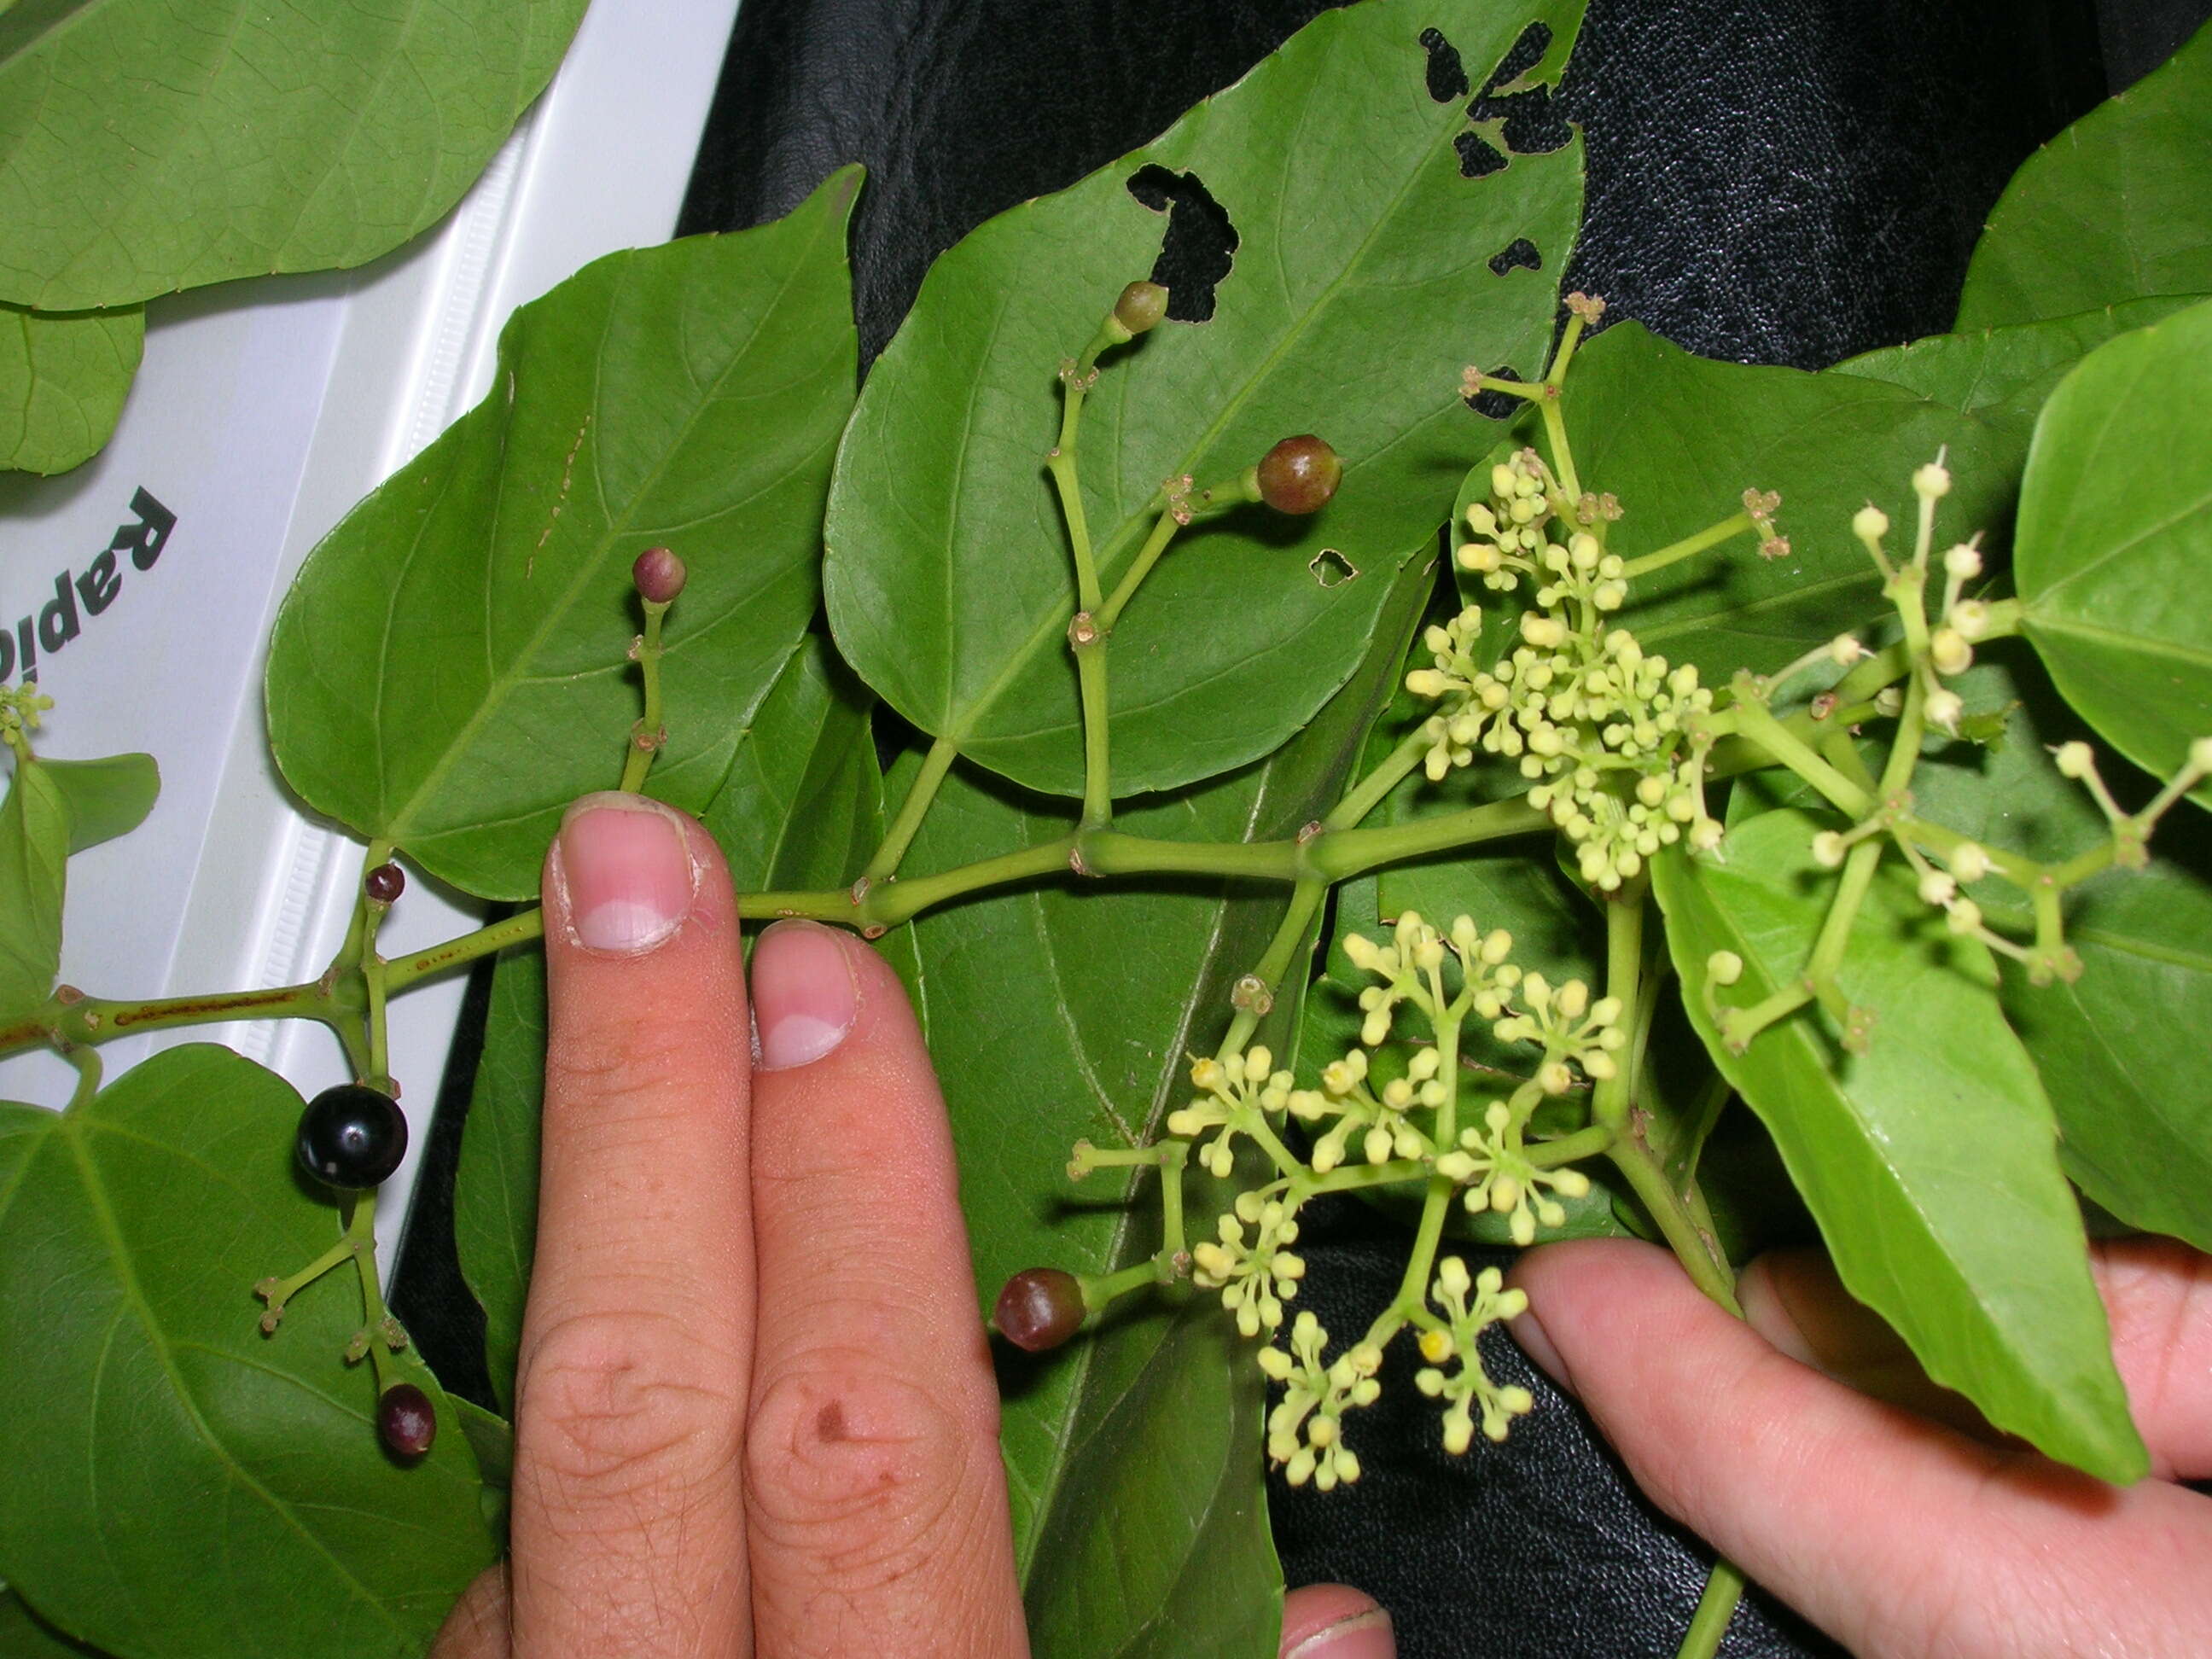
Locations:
(628, 1520)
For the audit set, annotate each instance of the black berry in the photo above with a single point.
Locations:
(1140, 306)
(352, 1137)
(1040, 1308)
(405, 1422)
(385, 884)
(659, 574)
(1299, 475)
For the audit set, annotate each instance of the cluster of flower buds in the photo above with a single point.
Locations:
(1469, 1388)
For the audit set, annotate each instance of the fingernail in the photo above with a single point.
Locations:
(625, 865)
(804, 995)
(1364, 1636)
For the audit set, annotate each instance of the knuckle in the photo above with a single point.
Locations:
(645, 1063)
(627, 1402)
(866, 1473)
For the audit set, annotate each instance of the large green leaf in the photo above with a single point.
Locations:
(2112, 209)
(147, 1428)
(1363, 279)
(2003, 375)
(148, 145)
(450, 668)
(62, 380)
(2115, 534)
(802, 808)
(1679, 438)
(2124, 1073)
(1931, 1161)
(106, 797)
(1059, 1012)
(34, 846)
(23, 1635)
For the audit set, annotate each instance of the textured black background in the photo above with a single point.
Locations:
(1788, 181)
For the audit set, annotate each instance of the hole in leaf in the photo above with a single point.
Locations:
(1332, 569)
(1200, 243)
(1518, 255)
(1497, 406)
(1478, 157)
(1523, 55)
(1532, 126)
(1447, 75)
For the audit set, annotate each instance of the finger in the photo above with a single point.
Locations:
(1334, 1621)
(876, 1499)
(1896, 1536)
(627, 1528)
(2158, 1296)
(476, 1628)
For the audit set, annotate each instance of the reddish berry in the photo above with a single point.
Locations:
(405, 1422)
(1140, 306)
(1040, 1308)
(659, 574)
(385, 884)
(351, 1137)
(1299, 475)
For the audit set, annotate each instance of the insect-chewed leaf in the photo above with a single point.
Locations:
(451, 667)
(147, 1427)
(1361, 281)
(63, 379)
(147, 146)
(2112, 209)
(1931, 1160)
(2115, 524)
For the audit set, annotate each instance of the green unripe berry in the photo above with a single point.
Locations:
(1298, 474)
(1140, 306)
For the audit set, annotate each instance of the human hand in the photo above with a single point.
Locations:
(756, 1410)
(1897, 1534)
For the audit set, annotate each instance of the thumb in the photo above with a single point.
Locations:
(1334, 1621)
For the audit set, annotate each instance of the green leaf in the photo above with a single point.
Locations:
(1679, 438)
(2113, 208)
(2003, 375)
(147, 1427)
(35, 845)
(452, 668)
(62, 380)
(949, 578)
(2135, 1119)
(147, 146)
(2115, 531)
(802, 809)
(1132, 1455)
(106, 797)
(24, 1635)
(1930, 1161)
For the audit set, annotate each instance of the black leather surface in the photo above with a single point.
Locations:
(1775, 180)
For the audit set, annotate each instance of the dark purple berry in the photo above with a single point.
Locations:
(385, 884)
(1040, 1308)
(405, 1422)
(1140, 306)
(659, 574)
(352, 1137)
(1299, 475)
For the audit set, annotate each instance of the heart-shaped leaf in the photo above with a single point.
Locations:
(802, 809)
(2112, 209)
(147, 1427)
(690, 395)
(62, 380)
(1931, 1161)
(147, 146)
(1679, 438)
(34, 847)
(1343, 174)
(2115, 523)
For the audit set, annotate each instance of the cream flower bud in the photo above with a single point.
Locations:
(1949, 652)
(1963, 563)
(2075, 759)
(1428, 682)
(1969, 863)
(1869, 523)
(1570, 1183)
(1725, 967)
(1436, 1347)
(1970, 618)
(1937, 888)
(1828, 849)
(1481, 519)
(1545, 633)
(1964, 916)
(2200, 754)
(1844, 650)
(1945, 709)
(1932, 482)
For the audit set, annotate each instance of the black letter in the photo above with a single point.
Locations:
(145, 538)
(100, 584)
(7, 655)
(26, 649)
(58, 623)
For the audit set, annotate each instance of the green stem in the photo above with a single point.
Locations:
(1570, 1148)
(1624, 969)
(1368, 794)
(934, 765)
(1275, 962)
(645, 740)
(1723, 1589)
(1700, 1253)
(1711, 535)
(1163, 531)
